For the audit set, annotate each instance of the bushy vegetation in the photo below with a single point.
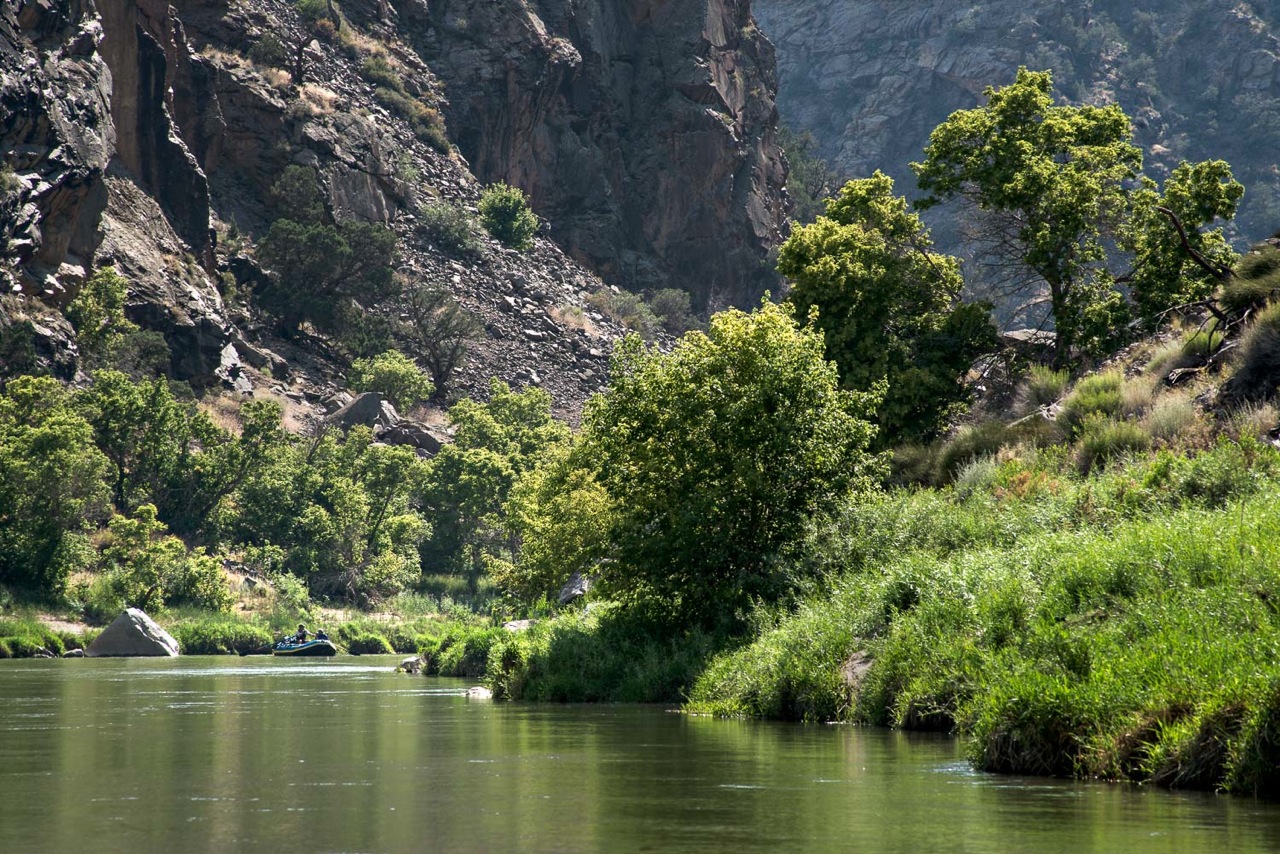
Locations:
(606, 655)
(1110, 626)
(505, 214)
(452, 229)
(393, 375)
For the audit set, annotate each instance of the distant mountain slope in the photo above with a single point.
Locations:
(1201, 78)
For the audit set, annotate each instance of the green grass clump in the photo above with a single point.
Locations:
(606, 655)
(461, 650)
(970, 442)
(218, 634)
(1100, 394)
(1044, 386)
(1257, 372)
(1103, 439)
(24, 637)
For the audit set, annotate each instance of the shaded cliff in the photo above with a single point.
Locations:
(870, 79)
(644, 131)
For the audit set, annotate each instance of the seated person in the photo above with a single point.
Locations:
(301, 636)
(320, 635)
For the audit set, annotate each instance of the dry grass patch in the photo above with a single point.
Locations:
(573, 317)
(323, 101)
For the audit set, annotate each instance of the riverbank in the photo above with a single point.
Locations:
(1123, 625)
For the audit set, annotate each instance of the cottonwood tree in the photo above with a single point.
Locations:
(888, 306)
(1057, 187)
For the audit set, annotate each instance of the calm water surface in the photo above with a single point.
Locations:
(255, 754)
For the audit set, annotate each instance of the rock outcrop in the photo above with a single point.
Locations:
(871, 78)
(139, 133)
(644, 132)
(133, 634)
(56, 137)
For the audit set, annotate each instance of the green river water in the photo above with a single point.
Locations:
(258, 754)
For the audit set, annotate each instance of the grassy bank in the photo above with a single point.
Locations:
(603, 655)
(1124, 626)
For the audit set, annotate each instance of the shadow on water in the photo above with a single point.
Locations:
(208, 754)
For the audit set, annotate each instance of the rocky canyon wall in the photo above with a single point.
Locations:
(871, 78)
(644, 131)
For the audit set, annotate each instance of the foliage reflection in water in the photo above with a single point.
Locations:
(344, 755)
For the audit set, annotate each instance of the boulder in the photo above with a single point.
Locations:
(133, 634)
(577, 586)
(367, 410)
(412, 434)
(412, 664)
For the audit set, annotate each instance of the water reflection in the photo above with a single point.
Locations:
(344, 755)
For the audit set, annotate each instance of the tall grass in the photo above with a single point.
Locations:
(1136, 637)
(606, 655)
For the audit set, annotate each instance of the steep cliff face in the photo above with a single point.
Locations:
(137, 136)
(644, 131)
(57, 137)
(870, 78)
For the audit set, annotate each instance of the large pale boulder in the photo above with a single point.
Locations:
(133, 634)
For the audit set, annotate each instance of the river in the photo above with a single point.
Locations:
(256, 754)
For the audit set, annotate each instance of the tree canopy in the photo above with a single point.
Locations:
(1056, 188)
(887, 305)
(716, 455)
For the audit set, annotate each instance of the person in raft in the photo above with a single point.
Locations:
(321, 634)
(301, 636)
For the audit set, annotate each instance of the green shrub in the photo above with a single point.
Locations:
(1257, 371)
(1100, 394)
(452, 229)
(214, 635)
(1044, 385)
(461, 651)
(25, 638)
(969, 443)
(270, 51)
(1103, 439)
(369, 644)
(311, 11)
(625, 308)
(505, 214)
(393, 375)
(379, 72)
(672, 307)
(608, 655)
(5, 650)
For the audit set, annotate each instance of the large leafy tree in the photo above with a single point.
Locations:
(1055, 189)
(887, 305)
(469, 481)
(342, 511)
(716, 455)
(52, 485)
